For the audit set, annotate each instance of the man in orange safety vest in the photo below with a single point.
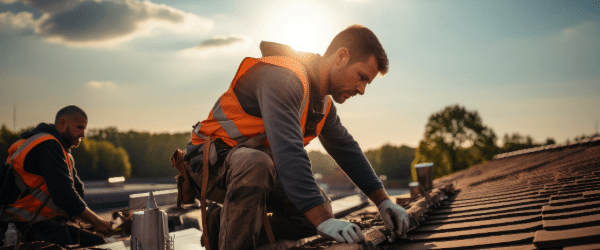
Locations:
(249, 156)
(43, 187)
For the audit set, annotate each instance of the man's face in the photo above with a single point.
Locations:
(347, 80)
(72, 128)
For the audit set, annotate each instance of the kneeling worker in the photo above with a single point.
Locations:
(285, 99)
(44, 190)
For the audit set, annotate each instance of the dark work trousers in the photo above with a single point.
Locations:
(248, 188)
(55, 232)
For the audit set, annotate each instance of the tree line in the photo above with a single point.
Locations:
(106, 153)
(455, 138)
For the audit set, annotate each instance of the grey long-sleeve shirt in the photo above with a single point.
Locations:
(275, 94)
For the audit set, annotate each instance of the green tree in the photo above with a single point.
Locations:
(7, 138)
(516, 142)
(113, 161)
(392, 161)
(148, 153)
(86, 159)
(100, 160)
(583, 137)
(321, 163)
(455, 139)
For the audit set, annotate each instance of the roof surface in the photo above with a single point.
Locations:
(542, 198)
(547, 197)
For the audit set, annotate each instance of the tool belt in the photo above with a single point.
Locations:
(214, 152)
(186, 194)
(185, 161)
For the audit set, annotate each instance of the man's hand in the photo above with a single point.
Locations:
(100, 225)
(394, 216)
(340, 231)
(103, 226)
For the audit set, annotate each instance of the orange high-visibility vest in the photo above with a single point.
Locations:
(25, 208)
(228, 121)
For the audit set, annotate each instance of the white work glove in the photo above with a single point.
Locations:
(394, 216)
(340, 231)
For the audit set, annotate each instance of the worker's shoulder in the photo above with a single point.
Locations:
(263, 69)
(272, 75)
(46, 148)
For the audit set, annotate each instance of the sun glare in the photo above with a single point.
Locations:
(305, 26)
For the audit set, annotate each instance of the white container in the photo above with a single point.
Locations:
(10, 237)
(137, 230)
(156, 230)
(150, 228)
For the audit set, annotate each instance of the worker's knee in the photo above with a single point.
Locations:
(251, 167)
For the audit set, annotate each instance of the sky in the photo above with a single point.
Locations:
(528, 67)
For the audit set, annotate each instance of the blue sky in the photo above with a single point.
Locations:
(531, 67)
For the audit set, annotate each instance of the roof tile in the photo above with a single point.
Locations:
(547, 197)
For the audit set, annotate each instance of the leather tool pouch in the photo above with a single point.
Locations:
(189, 165)
(186, 194)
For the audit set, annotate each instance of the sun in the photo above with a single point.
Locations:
(305, 26)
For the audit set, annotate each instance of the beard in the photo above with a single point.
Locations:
(335, 87)
(333, 91)
(73, 140)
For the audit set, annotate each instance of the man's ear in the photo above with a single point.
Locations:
(61, 124)
(342, 56)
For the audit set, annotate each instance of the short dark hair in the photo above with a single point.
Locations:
(361, 42)
(69, 110)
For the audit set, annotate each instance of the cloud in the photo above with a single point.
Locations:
(99, 84)
(219, 42)
(53, 6)
(105, 23)
(218, 45)
(356, 1)
(22, 20)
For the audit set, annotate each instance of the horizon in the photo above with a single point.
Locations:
(527, 67)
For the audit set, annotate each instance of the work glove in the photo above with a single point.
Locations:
(340, 231)
(394, 216)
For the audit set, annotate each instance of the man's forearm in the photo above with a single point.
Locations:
(378, 196)
(318, 214)
(89, 216)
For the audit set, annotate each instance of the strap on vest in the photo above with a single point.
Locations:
(205, 157)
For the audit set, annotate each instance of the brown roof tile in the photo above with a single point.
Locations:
(547, 197)
(568, 237)
(473, 243)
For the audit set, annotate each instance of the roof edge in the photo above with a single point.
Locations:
(592, 140)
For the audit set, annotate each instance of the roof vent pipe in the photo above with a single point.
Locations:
(414, 189)
(425, 175)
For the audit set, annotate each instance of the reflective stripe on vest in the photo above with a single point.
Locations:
(25, 208)
(228, 121)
